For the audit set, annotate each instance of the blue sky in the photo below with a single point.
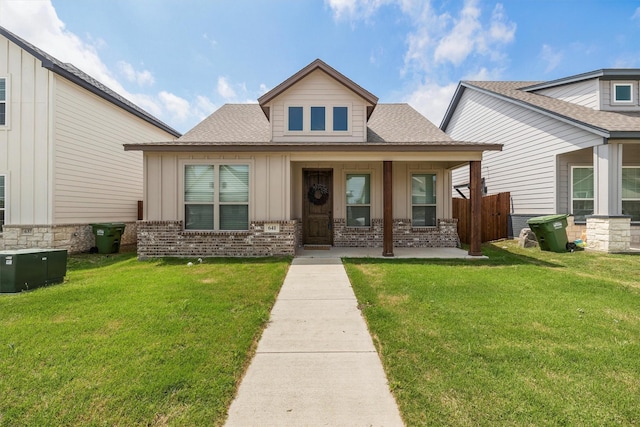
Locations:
(182, 59)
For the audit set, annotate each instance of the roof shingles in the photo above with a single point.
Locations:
(608, 121)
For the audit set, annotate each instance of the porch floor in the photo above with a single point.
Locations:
(425, 253)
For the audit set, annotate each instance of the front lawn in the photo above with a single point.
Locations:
(132, 343)
(524, 338)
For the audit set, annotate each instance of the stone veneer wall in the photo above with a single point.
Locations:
(75, 238)
(609, 233)
(444, 235)
(167, 238)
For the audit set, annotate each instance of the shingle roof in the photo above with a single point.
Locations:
(601, 121)
(79, 77)
(245, 127)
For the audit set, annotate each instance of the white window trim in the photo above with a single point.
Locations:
(439, 194)
(216, 163)
(371, 174)
(615, 101)
(571, 198)
(328, 117)
(7, 118)
(628, 199)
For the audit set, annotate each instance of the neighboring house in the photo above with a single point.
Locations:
(317, 162)
(570, 146)
(62, 166)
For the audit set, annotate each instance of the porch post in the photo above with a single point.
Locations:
(475, 191)
(387, 245)
(607, 175)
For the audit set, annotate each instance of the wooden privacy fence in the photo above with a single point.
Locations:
(495, 217)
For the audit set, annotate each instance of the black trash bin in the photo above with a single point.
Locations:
(108, 236)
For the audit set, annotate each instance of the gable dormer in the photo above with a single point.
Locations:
(318, 104)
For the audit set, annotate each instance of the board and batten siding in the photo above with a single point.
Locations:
(585, 93)
(269, 178)
(25, 144)
(95, 179)
(527, 166)
(319, 90)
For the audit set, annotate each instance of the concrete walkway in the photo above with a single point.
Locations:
(315, 364)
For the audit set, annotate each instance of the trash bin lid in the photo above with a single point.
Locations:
(546, 219)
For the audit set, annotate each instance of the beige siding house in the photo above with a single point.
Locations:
(570, 146)
(317, 162)
(62, 166)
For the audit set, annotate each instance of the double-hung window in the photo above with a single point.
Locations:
(3, 101)
(631, 192)
(423, 200)
(581, 192)
(3, 200)
(216, 197)
(358, 200)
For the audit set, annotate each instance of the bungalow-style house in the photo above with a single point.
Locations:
(571, 146)
(62, 166)
(317, 162)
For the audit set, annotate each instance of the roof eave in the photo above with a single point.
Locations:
(452, 107)
(397, 147)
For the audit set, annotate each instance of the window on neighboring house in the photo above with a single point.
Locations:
(340, 119)
(295, 118)
(631, 192)
(423, 200)
(623, 92)
(3, 102)
(3, 200)
(358, 200)
(216, 197)
(317, 118)
(581, 192)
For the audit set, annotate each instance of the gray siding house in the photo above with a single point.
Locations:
(570, 145)
(317, 162)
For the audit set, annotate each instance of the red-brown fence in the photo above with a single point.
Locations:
(495, 217)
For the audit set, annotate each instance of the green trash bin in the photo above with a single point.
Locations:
(551, 232)
(108, 235)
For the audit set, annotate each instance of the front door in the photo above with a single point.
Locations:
(317, 207)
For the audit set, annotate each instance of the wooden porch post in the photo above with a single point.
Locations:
(387, 245)
(475, 190)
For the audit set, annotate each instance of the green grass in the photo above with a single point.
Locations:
(524, 338)
(132, 343)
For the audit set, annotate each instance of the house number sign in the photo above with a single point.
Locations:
(272, 228)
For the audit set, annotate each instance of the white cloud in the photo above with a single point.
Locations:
(355, 9)
(463, 37)
(551, 57)
(432, 100)
(225, 90)
(37, 22)
(636, 15)
(142, 78)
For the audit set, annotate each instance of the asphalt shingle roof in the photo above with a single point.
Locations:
(609, 121)
(245, 123)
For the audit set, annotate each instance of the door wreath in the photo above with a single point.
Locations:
(318, 194)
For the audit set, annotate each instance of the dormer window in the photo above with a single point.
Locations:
(623, 93)
(317, 118)
(295, 118)
(340, 118)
